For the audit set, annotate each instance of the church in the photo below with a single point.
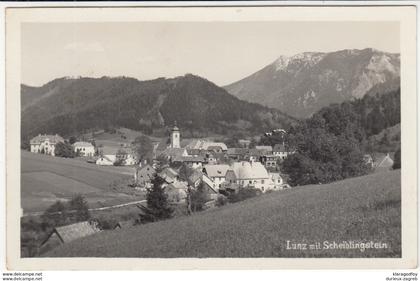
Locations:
(174, 149)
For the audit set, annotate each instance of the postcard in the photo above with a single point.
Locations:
(216, 137)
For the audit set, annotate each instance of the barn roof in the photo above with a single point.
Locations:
(74, 231)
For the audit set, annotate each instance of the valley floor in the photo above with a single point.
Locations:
(46, 179)
(358, 210)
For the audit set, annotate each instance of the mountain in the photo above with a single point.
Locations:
(302, 84)
(70, 106)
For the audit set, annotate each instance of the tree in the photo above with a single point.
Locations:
(72, 139)
(143, 148)
(397, 160)
(79, 205)
(158, 207)
(185, 172)
(328, 147)
(64, 149)
(198, 197)
(55, 215)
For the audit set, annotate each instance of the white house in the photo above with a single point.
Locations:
(45, 144)
(249, 174)
(84, 148)
(217, 173)
(106, 160)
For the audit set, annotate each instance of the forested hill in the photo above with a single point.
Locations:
(69, 106)
(332, 143)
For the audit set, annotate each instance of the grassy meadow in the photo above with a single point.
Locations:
(46, 179)
(359, 209)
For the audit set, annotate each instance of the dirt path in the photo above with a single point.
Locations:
(35, 214)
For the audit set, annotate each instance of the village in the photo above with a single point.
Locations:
(213, 166)
(184, 166)
(222, 169)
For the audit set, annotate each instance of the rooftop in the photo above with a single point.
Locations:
(51, 138)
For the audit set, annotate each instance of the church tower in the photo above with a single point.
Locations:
(175, 137)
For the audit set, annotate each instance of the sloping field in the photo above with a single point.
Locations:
(356, 210)
(45, 179)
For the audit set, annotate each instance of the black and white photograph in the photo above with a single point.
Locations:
(211, 139)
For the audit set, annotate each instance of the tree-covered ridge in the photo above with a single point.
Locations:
(78, 105)
(331, 144)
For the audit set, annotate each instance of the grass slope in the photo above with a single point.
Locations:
(360, 209)
(45, 179)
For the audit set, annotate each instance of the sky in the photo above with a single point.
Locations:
(222, 52)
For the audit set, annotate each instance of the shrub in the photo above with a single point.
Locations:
(243, 194)
(106, 223)
(79, 205)
(64, 149)
(221, 200)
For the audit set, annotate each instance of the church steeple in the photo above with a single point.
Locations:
(175, 137)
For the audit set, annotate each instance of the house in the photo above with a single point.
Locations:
(191, 161)
(207, 145)
(169, 175)
(244, 143)
(107, 155)
(212, 158)
(269, 161)
(193, 152)
(237, 153)
(177, 192)
(83, 148)
(171, 153)
(126, 157)
(253, 155)
(197, 178)
(68, 233)
(217, 174)
(215, 149)
(251, 174)
(280, 151)
(106, 160)
(368, 160)
(277, 180)
(264, 148)
(45, 144)
(144, 175)
(383, 163)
